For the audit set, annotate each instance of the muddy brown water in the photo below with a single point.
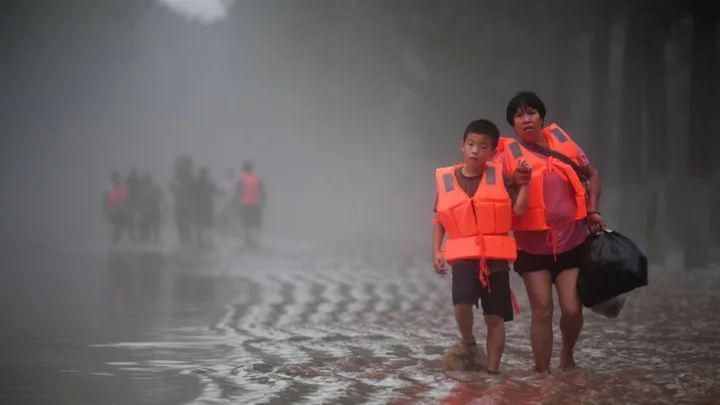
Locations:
(270, 328)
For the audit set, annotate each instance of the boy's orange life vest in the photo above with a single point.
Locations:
(250, 189)
(477, 227)
(558, 140)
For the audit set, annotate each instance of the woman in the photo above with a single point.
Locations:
(551, 233)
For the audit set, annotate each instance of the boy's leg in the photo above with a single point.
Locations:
(464, 319)
(497, 309)
(465, 293)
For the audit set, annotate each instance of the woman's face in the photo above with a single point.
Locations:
(527, 123)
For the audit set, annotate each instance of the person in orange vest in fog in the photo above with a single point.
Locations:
(115, 207)
(564, 194)
(474, 205)
(252, 201)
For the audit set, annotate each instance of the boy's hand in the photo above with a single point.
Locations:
(523, 172)
(439, 263)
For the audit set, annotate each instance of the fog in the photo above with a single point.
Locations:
(92, 88)
(346, 107)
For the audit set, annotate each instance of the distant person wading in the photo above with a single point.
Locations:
(151, 202)
(134, 208)
(115, 207)
(252, 201)
(181, 188)
(204, 192)
(563, 199)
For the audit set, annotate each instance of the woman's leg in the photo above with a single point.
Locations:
(571, 319)
(538, 285)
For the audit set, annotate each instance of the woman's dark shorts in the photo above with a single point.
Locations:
(467, 289)
(528, 262)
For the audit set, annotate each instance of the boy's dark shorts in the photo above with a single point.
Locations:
(466, 287)
(528, 262)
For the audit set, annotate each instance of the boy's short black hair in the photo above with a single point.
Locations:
(483, 127)
(524, 99)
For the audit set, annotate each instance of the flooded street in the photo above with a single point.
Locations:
(372, 128)
(304, 327)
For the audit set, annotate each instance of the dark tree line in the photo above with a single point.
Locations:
(633, 81)
(648, 145)
(649, 122)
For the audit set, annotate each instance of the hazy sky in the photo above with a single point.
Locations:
(107, 87)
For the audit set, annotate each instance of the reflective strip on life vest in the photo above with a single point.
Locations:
(449, 182)
(490, 176)
(516, 150)
(559, 135)
(490, 179)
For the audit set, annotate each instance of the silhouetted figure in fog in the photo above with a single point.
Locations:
(204, 192)
(151, 202)
(550, 235)
(133, 185)
(252, 201)
(115, 206)
(181, 188)
(226, 217)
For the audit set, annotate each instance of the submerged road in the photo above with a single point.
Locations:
(298, 326)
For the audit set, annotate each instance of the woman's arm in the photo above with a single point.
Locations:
(595, 190)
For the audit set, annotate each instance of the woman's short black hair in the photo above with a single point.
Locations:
(522, 100)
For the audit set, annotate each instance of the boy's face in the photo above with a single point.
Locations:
(477, 149)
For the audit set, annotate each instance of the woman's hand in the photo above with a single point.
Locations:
(523, 172)
(595, 222)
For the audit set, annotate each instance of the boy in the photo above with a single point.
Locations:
(474, 206)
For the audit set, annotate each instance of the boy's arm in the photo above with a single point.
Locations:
(511, 187)
(521, 201)
(518, 194)
(438, 236)
(438, 231)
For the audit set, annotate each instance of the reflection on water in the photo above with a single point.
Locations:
(319, 331)
(135, 284)
(262, 328)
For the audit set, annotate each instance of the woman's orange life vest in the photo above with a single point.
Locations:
(117, 195)
(558, 140)
(250, 189)
(477, 227)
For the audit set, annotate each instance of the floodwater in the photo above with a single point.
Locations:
(295, 325)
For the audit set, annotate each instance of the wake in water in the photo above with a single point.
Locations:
(307, 328)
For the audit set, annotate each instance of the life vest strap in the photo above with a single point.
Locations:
(502, 247)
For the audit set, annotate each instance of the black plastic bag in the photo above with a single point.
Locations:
(611, 308)
(613, 265)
